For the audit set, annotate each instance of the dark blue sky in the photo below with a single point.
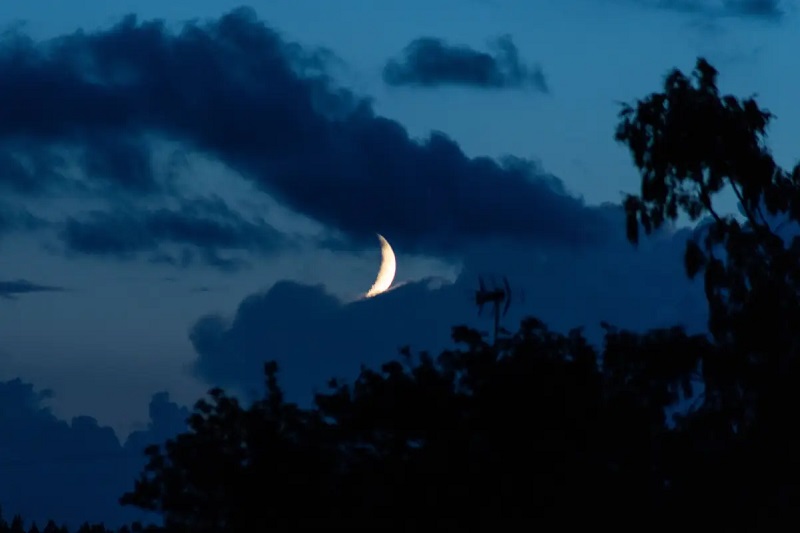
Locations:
(180, 202)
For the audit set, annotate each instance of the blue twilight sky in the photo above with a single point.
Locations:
(179, 203)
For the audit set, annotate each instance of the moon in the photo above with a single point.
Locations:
(387, 270)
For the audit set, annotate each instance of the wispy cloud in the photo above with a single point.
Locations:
(754, 9)
(11, 289)
(205, 224)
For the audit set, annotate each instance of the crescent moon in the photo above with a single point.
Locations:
(387, 270)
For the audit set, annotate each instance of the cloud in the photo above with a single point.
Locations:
(207, 224)
(234, 90)
(755, 9)
(14, 218)
(120, 160)
(29, 169)
(44, 459)
(166, 419)
(11, 289)
(431, 62)
(314, 336)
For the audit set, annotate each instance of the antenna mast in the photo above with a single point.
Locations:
(499, 297)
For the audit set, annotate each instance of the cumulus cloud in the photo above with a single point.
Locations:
(11, 289)
(166, 419)
(432, 62)
(234, 90)
(44, 459)
(314, 336)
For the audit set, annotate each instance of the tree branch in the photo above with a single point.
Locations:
(747, 211)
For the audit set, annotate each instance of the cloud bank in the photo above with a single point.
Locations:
(234, 90)
(74, 471)
(207, 224)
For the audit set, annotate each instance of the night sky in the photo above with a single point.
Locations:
(188, 189)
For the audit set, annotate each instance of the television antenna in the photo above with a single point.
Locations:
(498, 295)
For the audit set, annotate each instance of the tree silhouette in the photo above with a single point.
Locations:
(17, 525)
(237, 468)
(689, 143)
(476, 438)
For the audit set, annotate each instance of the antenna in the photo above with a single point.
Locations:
(498, 295)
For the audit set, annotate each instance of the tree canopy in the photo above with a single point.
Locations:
(689, 142)
(478, 437)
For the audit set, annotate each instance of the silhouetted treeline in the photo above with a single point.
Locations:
(474, 439)
(18, 525)
(650, 432)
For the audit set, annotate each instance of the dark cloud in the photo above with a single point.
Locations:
(188, 257)
(757, 9)
(14, 217)
(29, 169)
(233, 89)
(6, 219)
(207, 224)
(431, 62)
(72, 471)
(314, 336)
(166, 419)
(119, 160)
(11, 289)
(202, 289)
